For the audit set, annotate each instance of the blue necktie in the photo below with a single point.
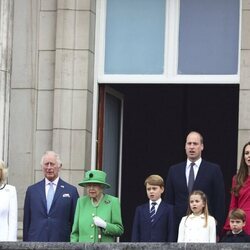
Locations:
(50, 196)
(191, 178)
(152, 211)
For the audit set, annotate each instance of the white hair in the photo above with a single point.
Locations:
(58, 160)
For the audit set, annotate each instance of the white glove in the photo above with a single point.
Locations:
(99, 222)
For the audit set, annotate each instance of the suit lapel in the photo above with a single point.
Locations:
(182, 178)
(146, 213)
(42, 194)
(59, 189)
(200, 174)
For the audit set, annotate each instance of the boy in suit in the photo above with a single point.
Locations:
(237, 219)
(153, 221)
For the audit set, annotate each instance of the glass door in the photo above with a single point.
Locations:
(110, 127)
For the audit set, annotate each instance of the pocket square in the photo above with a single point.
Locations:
(66, 195)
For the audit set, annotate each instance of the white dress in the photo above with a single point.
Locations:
(8, 213)
(191, 229)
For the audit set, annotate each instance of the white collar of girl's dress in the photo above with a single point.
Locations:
(196, 216)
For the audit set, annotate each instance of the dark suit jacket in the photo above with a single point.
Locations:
(241, 237)
(55, 226)
(161, 230)
(209, 179)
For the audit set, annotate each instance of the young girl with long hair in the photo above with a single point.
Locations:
(197, 225)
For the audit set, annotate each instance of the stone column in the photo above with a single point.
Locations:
(73, 94)
(244, 106)
(6, 18)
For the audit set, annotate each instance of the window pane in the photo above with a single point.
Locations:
(208, 37)
(135, 37)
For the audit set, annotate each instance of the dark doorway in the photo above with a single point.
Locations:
(157, 119)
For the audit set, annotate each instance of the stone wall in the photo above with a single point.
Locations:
(51, 90)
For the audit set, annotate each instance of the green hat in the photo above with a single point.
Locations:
(94, 176)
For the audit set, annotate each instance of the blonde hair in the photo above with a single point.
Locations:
(205, 208)
(4, 172)
(155, 180)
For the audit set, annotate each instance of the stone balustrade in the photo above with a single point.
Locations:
(122, 246)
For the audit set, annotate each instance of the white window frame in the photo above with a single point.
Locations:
(170, 75)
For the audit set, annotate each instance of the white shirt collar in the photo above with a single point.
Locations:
(157, 202)
(197, 163)
(237, 232)
(54, 181)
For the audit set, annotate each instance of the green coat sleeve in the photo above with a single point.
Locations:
(74, 237)
(115, 227)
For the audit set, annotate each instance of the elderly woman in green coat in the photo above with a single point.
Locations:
(98, 215)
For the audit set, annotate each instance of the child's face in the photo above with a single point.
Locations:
(154, 192)
(236, 225)
(196, 204)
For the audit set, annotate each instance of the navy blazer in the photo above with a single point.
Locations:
(209, 179)
(161, 230)
(57, 224)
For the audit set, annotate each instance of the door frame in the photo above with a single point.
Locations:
(100, 131)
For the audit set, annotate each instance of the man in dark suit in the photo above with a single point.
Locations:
(207, 177)
(52, 222)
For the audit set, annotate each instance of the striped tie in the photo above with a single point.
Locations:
(152, 212)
